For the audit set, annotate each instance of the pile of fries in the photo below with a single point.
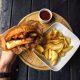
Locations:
(55, 47)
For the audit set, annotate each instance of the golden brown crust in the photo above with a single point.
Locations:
(3, 44)
(14, 43)
(28, 26)
(16, 30)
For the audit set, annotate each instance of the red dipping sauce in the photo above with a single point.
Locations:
(45, 15)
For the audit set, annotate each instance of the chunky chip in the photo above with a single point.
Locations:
(56, 46)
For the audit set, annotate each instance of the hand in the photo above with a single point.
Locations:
(6, 60)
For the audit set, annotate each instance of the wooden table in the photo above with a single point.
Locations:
(11, 11)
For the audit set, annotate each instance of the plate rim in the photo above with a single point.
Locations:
(30, 65)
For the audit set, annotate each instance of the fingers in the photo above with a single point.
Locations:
(0, 34)
(0, 53)
(0, 49)
(0, 38)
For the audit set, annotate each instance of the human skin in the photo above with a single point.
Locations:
(6, 60)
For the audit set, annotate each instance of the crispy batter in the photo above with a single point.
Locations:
(21, 30)
(14, 43)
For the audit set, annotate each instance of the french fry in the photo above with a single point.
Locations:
(67, 49)
(60, 34)
(54, 32)
(59, 50)
(40, 49)
(65, 43)
(54, 62)
(56, 46)
(48, 36)
(46, 54)
(62, 54)
(57, 41)
(50, 53)
(68, 40)
(54, 56)
(49, 46)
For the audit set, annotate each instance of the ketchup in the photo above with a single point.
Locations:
(45, 15)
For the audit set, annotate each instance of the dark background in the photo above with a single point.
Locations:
(11, 11)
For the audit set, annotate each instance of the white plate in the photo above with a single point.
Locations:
(75, 42)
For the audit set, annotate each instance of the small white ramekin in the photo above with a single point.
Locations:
(45, 21)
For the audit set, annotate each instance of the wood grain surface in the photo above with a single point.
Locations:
(11, 12)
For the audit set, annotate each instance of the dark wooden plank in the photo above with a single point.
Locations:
(35, 74)
(63, 74)
(22, 73)
(74, 19)
(74, 13)
(60, 7)
(5, 12)
(32, 74)
(39, 75)
(20, 9)
(44, 75)
(75, 66)
(14, 69)
(39, 4)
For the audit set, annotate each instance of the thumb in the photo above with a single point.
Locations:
(0, 38)
(0, 35)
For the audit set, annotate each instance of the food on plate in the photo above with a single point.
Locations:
(45, 15)
(51, 55)
(14, 43)
(27, 34)
(39, 48)
(56, 46)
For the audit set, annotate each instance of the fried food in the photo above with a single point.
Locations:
(14, 43)
(67, 49)
(28, 33)
(21, 30)
(39, 48)
(51, 55)
(46, 54)
(56, 46)
(54, 56)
